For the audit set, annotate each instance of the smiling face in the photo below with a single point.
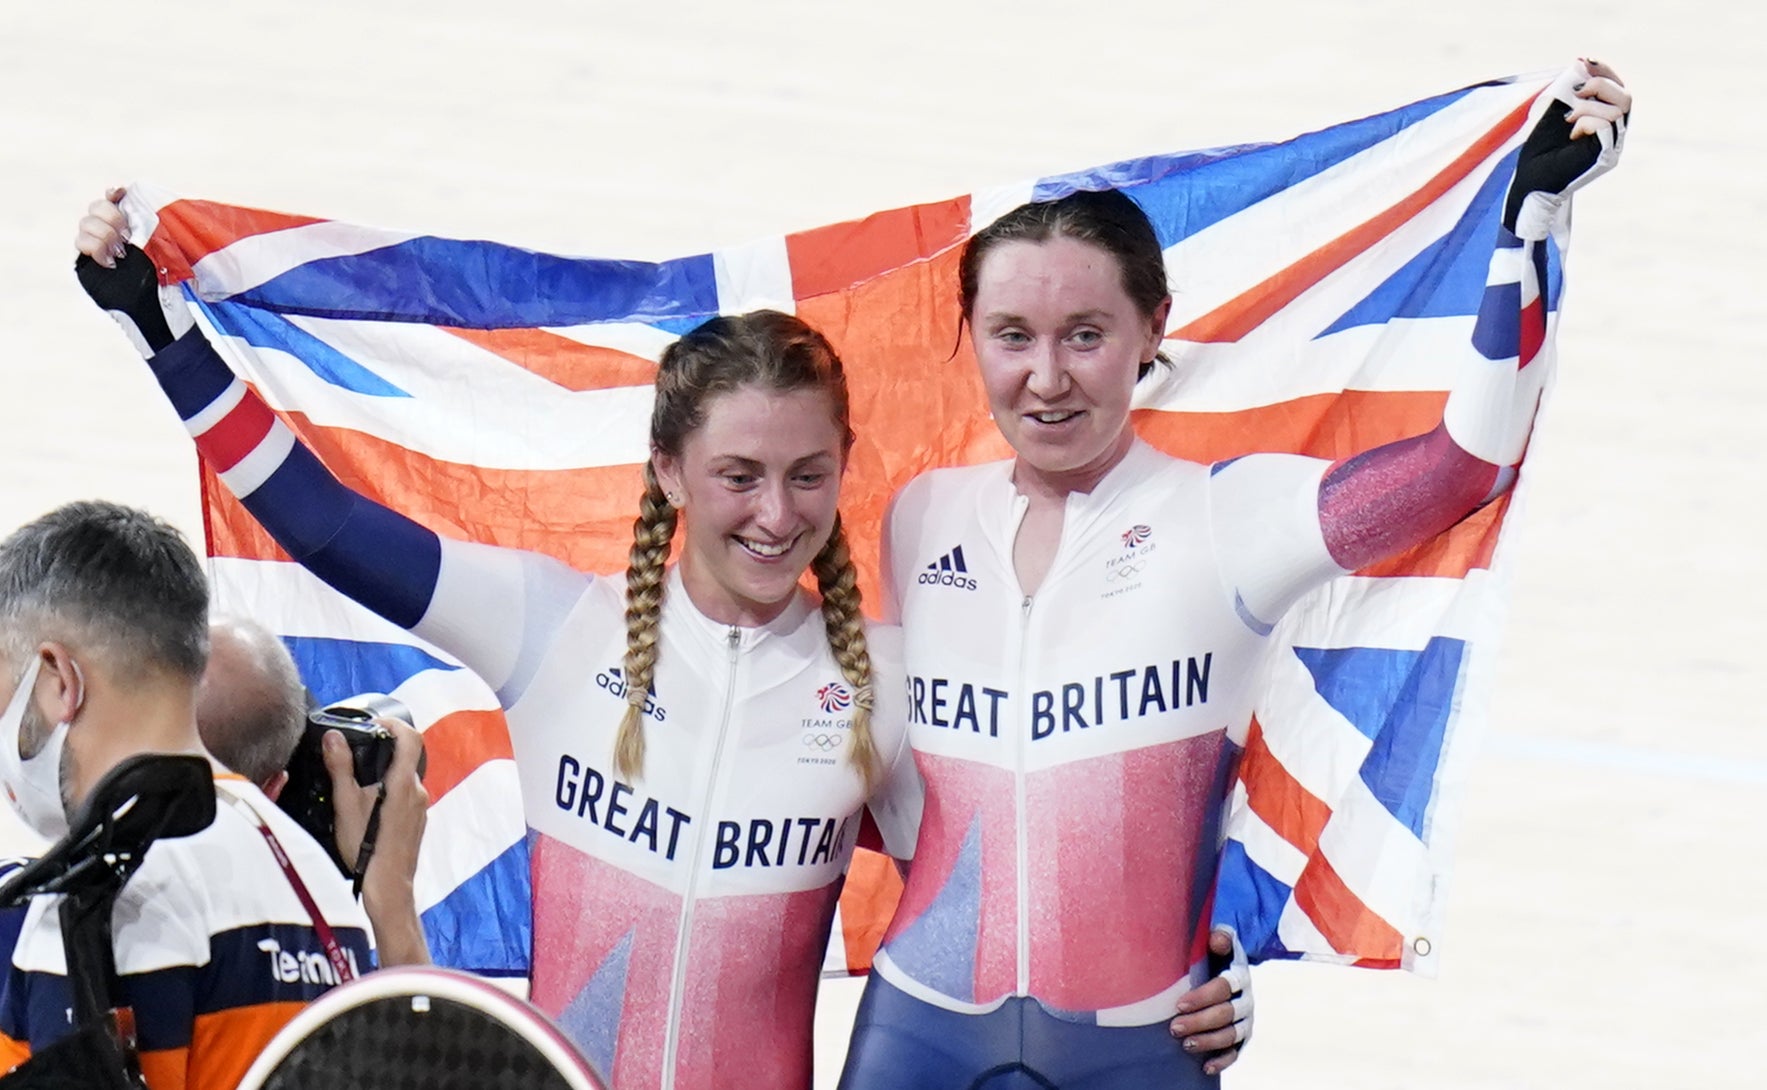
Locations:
(758, 484)
(1060, 343)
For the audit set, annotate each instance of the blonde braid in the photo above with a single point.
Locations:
(652, 531)
(839, 584)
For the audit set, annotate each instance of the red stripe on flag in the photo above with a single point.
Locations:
(1292, 812)
(458, 743)
(559, 359)
(1533, 331)
(842, 255)
(1329, 426)
(868, 901)
(1251, 308)
(237, 434)
(1346, 923)
(192, 230)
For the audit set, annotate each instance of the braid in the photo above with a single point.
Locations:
(839, 585)
(652, 531)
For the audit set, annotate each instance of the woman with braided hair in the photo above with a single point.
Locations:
(694, 744)
(777, 371)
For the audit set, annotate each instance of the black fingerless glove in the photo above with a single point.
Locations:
(1551, 166)
(131, 293)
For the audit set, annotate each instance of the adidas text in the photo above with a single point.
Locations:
(948, 579)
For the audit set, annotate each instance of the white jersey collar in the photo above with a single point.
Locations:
(1003, 505)
(1138, 463)
(678, 606)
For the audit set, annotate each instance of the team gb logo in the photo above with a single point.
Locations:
(834, 697)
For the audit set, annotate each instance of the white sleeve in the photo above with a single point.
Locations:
(1268, 541)
(890, 612)
(896, 802)
(498, 610)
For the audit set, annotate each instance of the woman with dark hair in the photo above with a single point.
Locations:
(1071, 697)
(688, 849)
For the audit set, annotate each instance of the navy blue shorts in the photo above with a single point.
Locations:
(900, 1041)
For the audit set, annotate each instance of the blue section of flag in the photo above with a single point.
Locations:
(1555, 275)
(485, 924)
(1448, 277)
(483, 285)
(1182, 194)
(1498, 332)
(679, 326)
(1402, 701)
(265, 330)
(1250, 900)
(334, 669)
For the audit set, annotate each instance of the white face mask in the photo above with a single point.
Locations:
(33, 787)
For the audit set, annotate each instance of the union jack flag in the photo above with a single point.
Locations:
(1322, 285)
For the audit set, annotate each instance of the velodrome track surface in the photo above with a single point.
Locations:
(1606, 919)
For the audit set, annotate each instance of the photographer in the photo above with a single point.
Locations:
(220, 937)
(250, 704)
(251, 710)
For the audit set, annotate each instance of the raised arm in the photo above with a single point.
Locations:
(1393, 497)
(1287, 523)
(387, 878)
(492, 608)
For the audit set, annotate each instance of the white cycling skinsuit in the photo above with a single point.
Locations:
(679, 921)
(1076, 744)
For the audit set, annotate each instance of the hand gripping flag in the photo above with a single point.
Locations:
(1323, 287)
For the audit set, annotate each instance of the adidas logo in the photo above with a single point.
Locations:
(613, 679)
(949, 571)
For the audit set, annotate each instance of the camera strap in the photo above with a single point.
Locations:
(327, 937)
(365, 851)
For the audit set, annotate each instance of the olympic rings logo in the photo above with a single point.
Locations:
(825, 741)
(1125, 571)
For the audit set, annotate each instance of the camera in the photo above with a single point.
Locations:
(307, 796)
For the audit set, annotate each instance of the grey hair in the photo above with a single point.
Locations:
(111, 582)
(251, 706)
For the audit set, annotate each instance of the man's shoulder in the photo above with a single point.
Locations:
(242, 815)
(226, 879)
